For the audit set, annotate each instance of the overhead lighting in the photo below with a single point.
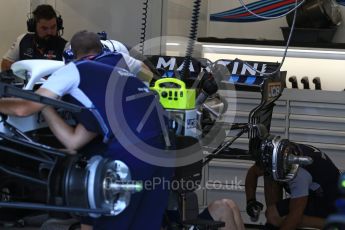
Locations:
(172, 44)
(274, 51)
(240, 47)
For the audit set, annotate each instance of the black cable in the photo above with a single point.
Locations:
(112, 44)
(192, 38)
(143, 24)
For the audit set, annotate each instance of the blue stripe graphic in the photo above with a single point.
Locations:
(223, 16)
(252, 6)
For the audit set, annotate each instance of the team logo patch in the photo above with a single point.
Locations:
(29, 53)
(50, 54)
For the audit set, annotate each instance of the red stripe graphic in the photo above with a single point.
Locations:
(261, 10)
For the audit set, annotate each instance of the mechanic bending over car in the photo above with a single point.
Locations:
(312, 192)
(42, 41)
(147, 207)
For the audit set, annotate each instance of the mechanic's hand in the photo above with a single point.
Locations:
(254, 207)
(154, 79)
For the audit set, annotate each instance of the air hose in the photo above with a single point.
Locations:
(192, 38)
(143, 24)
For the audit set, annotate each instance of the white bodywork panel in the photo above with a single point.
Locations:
(34, 72)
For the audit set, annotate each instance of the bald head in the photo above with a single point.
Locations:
(84, 43)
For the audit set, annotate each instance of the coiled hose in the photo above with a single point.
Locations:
(192, 38)
(143, 24)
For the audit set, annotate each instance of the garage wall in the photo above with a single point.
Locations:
(178, 12)
(120, 19)
(328, 67)
(269, 29)
(13, 15)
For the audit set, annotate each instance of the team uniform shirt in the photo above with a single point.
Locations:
(114, 46)
(67, 83)
(25, 47)
(121, 60)
(85, 83)
(317, 181)
(110, 47)
(319, 178)
(65, 80)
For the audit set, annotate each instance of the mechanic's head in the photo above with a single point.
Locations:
(85, 43)
(45, 21)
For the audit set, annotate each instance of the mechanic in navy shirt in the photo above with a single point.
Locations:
(42, 43)
(312, 193)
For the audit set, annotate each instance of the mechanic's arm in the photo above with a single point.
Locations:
(138, 68)
(145, 73)
(253, 207)
(294, 218)
(18, 107)
(73, 138)
(299, 192)
(12, 54)
(273, 191)
(251, 181)
(23, 108)
(6, 64)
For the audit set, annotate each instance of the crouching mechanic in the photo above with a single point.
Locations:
(76, 82)
(312, 192)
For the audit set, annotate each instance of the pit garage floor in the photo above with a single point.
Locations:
(29, 228)
(39, 228)
(64, 224)
(41, 222)
(19, 228)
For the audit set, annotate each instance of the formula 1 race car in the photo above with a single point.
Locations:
(36, 175)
